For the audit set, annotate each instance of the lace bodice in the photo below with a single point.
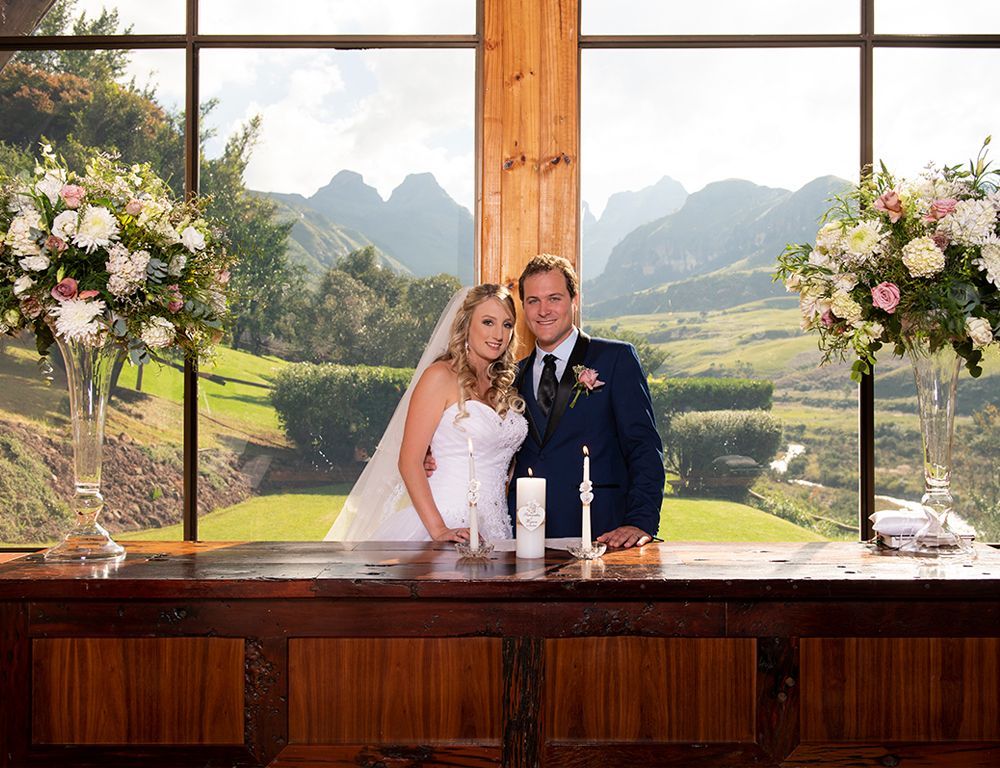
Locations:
(494, 442)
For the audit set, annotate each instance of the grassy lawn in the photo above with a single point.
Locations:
(307, 516)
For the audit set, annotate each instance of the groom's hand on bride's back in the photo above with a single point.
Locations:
(429, 464)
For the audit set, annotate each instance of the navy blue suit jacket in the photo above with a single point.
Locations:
(617, 425)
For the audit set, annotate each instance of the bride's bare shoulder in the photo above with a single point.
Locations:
(438, 374)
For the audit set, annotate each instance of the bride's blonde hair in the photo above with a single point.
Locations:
(501, 372)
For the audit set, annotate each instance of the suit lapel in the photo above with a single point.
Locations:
(523, 385)
(565, 390)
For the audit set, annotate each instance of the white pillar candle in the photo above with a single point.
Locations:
(530, 494)
(585, 538)
(473, 507)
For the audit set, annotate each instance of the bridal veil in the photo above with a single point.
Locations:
(379, 490)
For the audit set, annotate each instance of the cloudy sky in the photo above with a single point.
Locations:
(775, 117)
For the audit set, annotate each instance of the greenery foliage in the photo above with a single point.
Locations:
(336, 412)
(677, 395)
(699, 438)
(31, 510)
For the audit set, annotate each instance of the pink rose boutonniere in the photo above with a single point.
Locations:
(586, 382)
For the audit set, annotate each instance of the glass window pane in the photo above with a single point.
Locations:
(725, 158)
(357, 231)
(339, 17)
(719, 17)
(94, 17)
(82, 102)
(909, 133)
(924, 17)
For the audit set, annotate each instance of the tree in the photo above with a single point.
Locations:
(651, 357)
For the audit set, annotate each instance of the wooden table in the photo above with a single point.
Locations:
(295, 654)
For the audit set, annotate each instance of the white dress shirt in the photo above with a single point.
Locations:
(562, 353)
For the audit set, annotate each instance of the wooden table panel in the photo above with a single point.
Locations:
(889, 689)
(383, 690)
(137, 691)
(650, 689)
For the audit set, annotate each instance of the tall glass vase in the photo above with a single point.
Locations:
(88, 374)
(936, 375)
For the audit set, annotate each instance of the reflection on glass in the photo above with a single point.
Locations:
(719, 17)
(83, 102)
(924, 17)
(339, 17)
(727, 156)
(94, 17)
(909, 133)
(357, 231)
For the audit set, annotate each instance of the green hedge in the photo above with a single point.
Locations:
(337, 411)
(700, 438)
(672, 396)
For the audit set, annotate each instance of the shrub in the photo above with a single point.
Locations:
(337, 411)
(701, 438)
(672, 396)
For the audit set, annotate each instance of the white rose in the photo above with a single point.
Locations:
(192, 239)
(64, 225)
(22, 284)
(50, 185)
(34, 263)
(979, 331)
(96, 228)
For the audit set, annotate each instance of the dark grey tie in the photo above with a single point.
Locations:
(547, 385)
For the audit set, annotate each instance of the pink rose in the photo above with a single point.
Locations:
(31, 308)
(889, 203)
(65, 289)
(175, 301)
(588, 377)
(941, 208)
(828, 319)
(57, 244)
(72, 195)
(133, 207)
(223, 277)
(941, 240)
(886, 296)
(175, 305)
(88, 294)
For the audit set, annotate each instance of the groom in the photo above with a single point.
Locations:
(613, 419)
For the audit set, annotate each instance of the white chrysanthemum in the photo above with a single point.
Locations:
(972, 222)
(922, 257)
(830, 237)
(863, 240)
(64, 225)
(177, 263)
(192, 239)
(158, 332)
(994, 199)
(50, 184)
(989, 260)
(22, 284)
(78, 320)
(845, 307)
(20, 238)
(127, 270)
(34, 263)
(979, 331)
(96, 229)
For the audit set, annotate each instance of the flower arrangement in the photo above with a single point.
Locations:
(109, 257)
(900, 261)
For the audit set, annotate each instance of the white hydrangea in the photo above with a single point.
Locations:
(972, 222)
(989, 260)
(845, 307)
(64, 225)
(127, 270)
(979, 331)
(20, 238)
(863, 241)
(157, 333)
(79, 320)
(922, 257)
(97, 227)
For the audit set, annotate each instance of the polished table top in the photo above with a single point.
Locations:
(659, 571)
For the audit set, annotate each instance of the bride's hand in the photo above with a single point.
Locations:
(451, 534)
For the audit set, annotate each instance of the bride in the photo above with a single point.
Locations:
(462, 390)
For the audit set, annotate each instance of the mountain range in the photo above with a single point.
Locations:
(652, 250)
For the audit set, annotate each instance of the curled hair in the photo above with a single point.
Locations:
(501, 372)
(546, 262)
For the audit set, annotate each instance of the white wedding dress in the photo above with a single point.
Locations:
(494, 442)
